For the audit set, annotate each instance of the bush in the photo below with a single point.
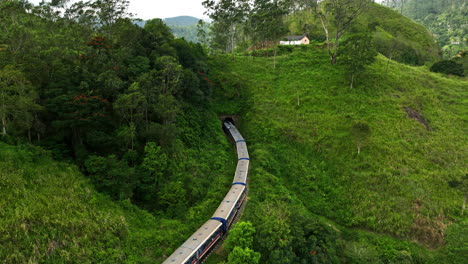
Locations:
(263, 53)
(448, 67)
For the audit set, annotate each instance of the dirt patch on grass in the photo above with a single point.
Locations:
(413, 113)
(426, 230)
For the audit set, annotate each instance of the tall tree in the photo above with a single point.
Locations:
(336, 17)
(228, 17)
(357, 53)
(202, 35)
(131, 107)
(267, 23)
(17, 100)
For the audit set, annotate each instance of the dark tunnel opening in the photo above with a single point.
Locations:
(228, 119)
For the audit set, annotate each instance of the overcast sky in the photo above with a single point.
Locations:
(147, 9)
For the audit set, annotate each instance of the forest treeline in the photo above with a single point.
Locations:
(446, 19)
(86, 83)
(246, 26)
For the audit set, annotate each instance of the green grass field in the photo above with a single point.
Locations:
(299, 121)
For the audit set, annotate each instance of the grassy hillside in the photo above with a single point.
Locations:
(303, 124)
(395, 36)
(50, 213)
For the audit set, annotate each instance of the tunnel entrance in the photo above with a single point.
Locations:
(230, 118)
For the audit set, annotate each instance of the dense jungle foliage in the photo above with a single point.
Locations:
(129, 106)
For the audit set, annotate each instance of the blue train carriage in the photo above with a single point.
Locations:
(242, 153)
(242, 171)
(198, 245)
(229, 207)
(233, 131)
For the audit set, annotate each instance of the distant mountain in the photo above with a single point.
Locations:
(446, 20)
(181, 21)
(184, 27)
(140, 23)
(181, 27)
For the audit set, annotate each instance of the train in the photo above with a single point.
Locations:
(197, 247)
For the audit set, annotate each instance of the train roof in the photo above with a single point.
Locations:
(242, 170)
(236, 135)
(242, 152)
(191, 245)
(229, 201)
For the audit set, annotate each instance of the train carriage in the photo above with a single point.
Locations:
(242, 153)
(230, 204)
(198, 244)
(242, 171)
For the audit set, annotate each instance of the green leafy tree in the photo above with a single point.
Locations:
(360, 132)
(154, 165)
(17, 100)
(241, 235)
(228, 18)
(169, 74)
(357, 52)
(112, 176)
(130, 104)
(130, 107)
(109, 11)
(337, 17)
(202, 34)
(172, 198)
(241, 255)
(266, 20)
(273, 237)
(157, 39)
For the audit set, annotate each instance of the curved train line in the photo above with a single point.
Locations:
(196, 248)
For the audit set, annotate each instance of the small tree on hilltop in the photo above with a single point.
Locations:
(267, 23)
(337, 17)
(357, 53)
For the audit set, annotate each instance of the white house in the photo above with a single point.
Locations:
(295, 40)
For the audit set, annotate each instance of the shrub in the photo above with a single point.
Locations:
(448, 67)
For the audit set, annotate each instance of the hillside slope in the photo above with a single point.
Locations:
(305, 125)
(50, 213)
(445, 19)
(395, 36)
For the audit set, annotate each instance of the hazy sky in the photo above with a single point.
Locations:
(147, 9)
